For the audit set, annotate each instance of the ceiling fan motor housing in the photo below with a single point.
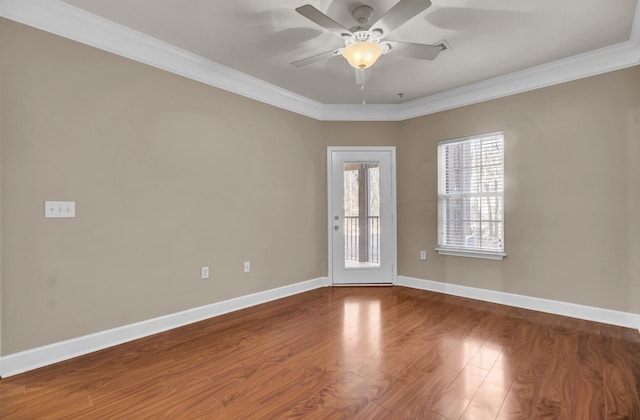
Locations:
(362, 14)
(363, 36)
(366, 35)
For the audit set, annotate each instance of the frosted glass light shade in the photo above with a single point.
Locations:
(362, 55)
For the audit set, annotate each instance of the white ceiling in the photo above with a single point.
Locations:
(499, 48)
(489, 38)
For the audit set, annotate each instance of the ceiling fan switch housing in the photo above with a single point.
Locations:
(362, 14)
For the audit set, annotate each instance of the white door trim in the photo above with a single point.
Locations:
(394, 225)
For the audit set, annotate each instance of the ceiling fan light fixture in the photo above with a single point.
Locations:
(362, 55)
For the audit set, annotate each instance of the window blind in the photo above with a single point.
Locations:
(470, 193)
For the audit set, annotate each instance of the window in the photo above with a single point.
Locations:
(470, 196)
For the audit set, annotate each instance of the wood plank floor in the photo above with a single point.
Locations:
(386, 352)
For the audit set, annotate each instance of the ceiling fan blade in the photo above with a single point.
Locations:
(399, 14)
(319, 18)
(419, 51)
(317, 57)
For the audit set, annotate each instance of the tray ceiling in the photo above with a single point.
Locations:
(492, 41)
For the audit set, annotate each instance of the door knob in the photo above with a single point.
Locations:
(336, 217)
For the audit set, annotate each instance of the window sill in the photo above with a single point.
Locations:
(457, 252)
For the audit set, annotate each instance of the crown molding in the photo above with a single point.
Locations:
(65, 20)
(70, 22)
(596, 62)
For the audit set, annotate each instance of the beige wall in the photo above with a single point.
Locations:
(170, 175)
(632, 163)
(572, 154)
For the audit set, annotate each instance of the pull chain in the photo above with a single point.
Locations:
(364, 98)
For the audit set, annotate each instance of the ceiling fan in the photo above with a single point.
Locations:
(366, 42)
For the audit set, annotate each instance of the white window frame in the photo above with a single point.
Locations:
(457, 250)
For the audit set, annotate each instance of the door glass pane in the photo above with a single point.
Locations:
(361, 215)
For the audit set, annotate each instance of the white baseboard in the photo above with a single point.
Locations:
(24, 361)
(589, 313)
(27, 360)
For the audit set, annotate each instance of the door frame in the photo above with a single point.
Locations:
(393, 241)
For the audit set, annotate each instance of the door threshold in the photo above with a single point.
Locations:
(361, 284)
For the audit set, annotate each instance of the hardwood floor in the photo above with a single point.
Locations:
(387, 352)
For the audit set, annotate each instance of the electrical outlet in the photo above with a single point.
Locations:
(59, 209)
(423, 255)
(247, 266)
(204, 273)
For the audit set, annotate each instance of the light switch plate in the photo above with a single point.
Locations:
(59, 209)
(247, 266)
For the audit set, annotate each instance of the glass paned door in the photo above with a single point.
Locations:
(362, 206)
(361, 222)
